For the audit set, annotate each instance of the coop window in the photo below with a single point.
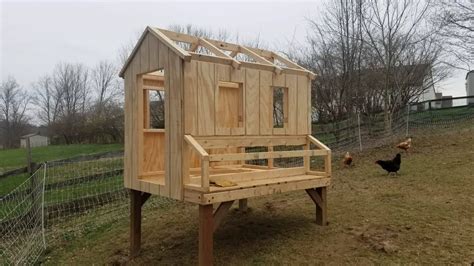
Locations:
(155, 109)
(280, 107)
(229, 111)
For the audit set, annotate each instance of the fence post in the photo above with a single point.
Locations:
(35, 196)
(408, 118)
(29, 161)
(358, 125)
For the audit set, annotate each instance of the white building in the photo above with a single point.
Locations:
(470, 86)
(36, 140)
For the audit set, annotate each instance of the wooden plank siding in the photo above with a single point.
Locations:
(206, 87)
(252, 105)
(302, 110)
(141, 147)
(201, 100)
(191, 107)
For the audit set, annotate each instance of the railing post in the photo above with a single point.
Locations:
(307, 158)
(205, 173)
(327, 164)
(270, 161)
(186, 162)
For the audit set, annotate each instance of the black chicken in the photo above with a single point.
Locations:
(391, 166)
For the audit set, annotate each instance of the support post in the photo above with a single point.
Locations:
(137, 199)
(243, 205)
(206, 232)
(318, 195)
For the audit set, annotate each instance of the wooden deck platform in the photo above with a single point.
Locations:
(249, 181)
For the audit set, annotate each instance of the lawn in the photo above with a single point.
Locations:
(424, 215)
(15, 158)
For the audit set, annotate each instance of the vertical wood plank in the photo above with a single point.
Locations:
(136, 69)
(206, 231)
(153, 52)
(127, 129)
(205, 174)
(206, 84)
(302, 110)
(163, 61)
(266, 106)
(221, 99)
(238, 76)
(190, 97)
(291, 84)
(140, 124)
(175, 128)
(252, 91)
(144, 55)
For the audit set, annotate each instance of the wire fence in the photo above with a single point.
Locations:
(22, 222)
(361, 131)
(63, 200)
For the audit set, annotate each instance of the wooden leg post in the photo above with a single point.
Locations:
(137, 199)
(318, 195)
(243, 205)
(206, 232)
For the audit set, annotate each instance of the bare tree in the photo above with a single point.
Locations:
(72, 91)
(334, 53)
(104, 82)
(14, 103)
(396, 31)
(456, 22)
(46, 100)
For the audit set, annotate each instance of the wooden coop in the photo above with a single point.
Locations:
(211, 122)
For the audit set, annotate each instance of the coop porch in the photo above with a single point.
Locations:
(232, 167)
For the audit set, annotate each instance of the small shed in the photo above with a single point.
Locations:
(212, 122)
(36, 140)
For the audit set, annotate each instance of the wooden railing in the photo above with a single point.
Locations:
(200, 144)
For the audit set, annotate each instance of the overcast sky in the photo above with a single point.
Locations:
(35, 36)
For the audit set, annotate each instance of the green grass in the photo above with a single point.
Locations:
(422, 216)
(15, 158)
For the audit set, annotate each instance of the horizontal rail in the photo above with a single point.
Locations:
(265, 155)
(250, 141)
(260, 174)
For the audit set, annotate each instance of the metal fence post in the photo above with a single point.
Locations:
(358, 125)
(408, 118)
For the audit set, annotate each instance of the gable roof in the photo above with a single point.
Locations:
(32, 135)
(222, 52)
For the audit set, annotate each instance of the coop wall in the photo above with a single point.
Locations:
(201, 100)
(163, 151)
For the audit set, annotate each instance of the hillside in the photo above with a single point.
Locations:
(424, 215)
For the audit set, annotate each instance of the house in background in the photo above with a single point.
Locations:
(470, 86)
(430, 98)
(36, 140)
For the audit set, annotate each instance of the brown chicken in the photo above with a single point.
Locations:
(347, 161)
(406, 145)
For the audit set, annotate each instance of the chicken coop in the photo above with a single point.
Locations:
(211, 122)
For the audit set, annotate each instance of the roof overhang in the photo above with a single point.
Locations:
(222, 52)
